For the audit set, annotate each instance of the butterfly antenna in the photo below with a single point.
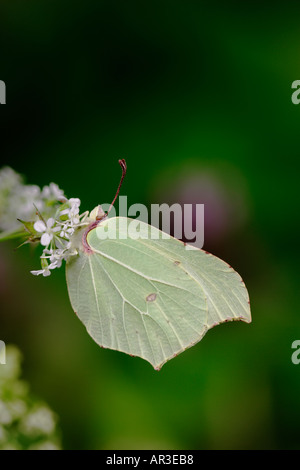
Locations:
(124, 169)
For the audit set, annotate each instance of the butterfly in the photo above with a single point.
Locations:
(149, 296)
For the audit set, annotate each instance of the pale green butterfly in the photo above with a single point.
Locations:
(149, 297)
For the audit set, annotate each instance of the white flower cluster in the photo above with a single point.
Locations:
(46, 213)
(25, 423)
(20, 201)
(55, 234)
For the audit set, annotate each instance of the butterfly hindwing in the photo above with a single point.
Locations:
(150, 296)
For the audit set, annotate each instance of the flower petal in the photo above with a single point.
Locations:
(47, 252)
(39, 226)
(46, 239)
(50, 222)
(65, 212)
(75, 200)
(36, 273)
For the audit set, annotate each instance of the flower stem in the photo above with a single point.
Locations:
(10, 235)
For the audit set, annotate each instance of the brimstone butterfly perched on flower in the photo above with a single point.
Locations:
(148, 296)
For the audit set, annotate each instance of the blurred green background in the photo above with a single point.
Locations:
(197, 98)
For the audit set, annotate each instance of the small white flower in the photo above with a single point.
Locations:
(39, 422)
(5, 414)
(73, 211)
(46, 251)
(75, 201)
(44, 272)
(67, 231)
(56, 264)
(53, 192)
(46, 230)
(56, 259)
(17, 200)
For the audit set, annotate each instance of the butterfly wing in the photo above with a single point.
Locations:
(150, 297)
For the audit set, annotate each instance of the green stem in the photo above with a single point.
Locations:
(10, 235)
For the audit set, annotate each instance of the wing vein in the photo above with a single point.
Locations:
(96, 298)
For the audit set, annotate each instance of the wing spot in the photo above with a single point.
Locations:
(151, 297)
(177, 262)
